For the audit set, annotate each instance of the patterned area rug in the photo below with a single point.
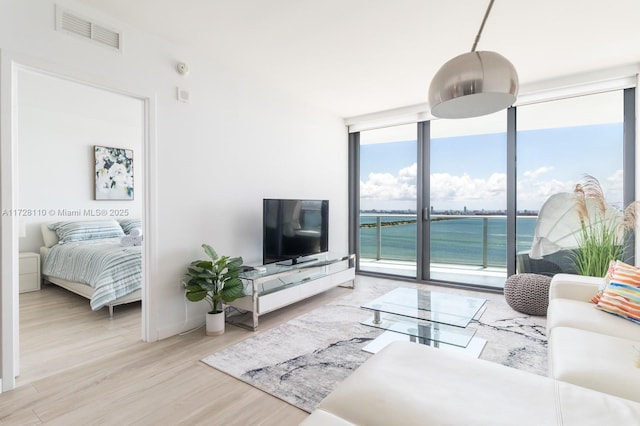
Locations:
(302, 360)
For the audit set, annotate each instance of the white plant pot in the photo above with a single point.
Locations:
(215, 324)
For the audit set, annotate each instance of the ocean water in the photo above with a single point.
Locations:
(454, 240)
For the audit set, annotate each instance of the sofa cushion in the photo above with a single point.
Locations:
(412, 384)
(596, 361)
(585, 316)
(576, 287)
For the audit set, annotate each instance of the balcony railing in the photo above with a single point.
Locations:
(471, 240)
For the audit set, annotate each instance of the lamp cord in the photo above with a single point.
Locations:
(486, 15)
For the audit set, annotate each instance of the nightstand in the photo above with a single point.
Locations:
(29, 272)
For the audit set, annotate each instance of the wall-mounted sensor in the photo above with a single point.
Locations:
(183, 95)
(182, 68)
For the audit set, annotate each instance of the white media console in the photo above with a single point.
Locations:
(274, 286)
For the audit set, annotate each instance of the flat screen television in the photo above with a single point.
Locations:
(293, 229)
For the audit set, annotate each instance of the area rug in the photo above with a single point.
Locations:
(302, 360)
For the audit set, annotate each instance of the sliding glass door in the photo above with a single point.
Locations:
(387, 219)
(468, 204)
(459, 201)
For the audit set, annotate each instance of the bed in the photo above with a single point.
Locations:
(89, 258)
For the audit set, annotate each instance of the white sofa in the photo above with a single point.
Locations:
(589, 347)
(411, 384)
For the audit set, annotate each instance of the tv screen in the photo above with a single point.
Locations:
(293, 229)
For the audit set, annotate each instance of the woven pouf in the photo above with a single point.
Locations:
(528, 293)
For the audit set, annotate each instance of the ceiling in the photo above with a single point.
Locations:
(353, 57)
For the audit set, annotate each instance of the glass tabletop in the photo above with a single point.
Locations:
(423, 331)
(319, 260)
(431, 306)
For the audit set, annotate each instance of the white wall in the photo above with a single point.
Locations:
(216, 157)
(59, 122)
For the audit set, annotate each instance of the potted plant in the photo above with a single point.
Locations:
(602, 228)
(216, 280)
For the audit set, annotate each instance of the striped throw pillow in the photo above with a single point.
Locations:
(130, 224)
(612, 267)
(622, 295)
(86, 230)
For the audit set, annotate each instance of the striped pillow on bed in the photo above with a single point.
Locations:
(86, 230)
(129, 224)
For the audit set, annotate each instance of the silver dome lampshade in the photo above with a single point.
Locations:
(474, 83)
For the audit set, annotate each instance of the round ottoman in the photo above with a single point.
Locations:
(528, 293)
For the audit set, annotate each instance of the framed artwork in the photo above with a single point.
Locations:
(113, 173)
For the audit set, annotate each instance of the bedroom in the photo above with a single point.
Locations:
(60, 123)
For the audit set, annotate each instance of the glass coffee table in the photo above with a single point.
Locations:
(426, 317)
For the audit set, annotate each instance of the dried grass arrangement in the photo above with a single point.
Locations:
(603, 228)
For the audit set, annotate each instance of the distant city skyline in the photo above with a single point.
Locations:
(451, 212)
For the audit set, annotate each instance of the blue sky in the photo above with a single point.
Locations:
(471, 170)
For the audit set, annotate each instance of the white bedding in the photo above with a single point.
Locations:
(113, 271)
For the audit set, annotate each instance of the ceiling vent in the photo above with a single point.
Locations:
(71, 23)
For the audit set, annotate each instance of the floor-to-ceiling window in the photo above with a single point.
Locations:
(484, 182)
(468, 204)
(387, 220)
(558, 143)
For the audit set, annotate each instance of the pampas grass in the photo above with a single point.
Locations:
(603, 228)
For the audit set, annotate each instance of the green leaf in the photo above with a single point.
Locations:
(196, 296)
(232, 290)
(193, 287)
(210, 252)
(202, 264)
(235, 263)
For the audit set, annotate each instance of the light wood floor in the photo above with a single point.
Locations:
(78, 367)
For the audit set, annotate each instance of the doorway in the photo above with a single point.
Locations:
(56, 122)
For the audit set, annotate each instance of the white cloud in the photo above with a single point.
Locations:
(448, 191)
(408, 174)
(534, 174)
(387, 187)
(454, 192)
(533, 189)
(613, 188)
(614, 182)
(533, 193)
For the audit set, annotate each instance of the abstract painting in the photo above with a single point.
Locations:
(113, 173)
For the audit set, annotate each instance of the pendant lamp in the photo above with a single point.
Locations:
(474, 83)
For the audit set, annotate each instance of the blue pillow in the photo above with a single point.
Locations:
(86, 230)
